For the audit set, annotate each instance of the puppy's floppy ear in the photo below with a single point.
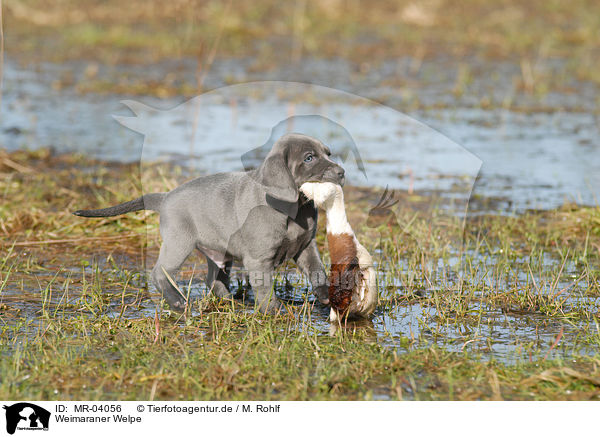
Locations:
(276, 177)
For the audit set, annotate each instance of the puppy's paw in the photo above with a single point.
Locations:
(176, 305)
(322, 293)
(273, 306)
(221, 291)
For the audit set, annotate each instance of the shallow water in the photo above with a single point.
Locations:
(402, 321)
(521, 160)
(525, 160)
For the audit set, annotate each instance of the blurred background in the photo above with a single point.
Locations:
(514, 83)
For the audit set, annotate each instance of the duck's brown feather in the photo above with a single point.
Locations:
(345, 270)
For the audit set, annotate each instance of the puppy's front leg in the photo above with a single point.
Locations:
(261, 280)
(310, 263)
(217, 279)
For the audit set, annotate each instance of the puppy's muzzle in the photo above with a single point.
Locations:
(336, 174)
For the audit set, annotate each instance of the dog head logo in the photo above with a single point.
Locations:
(26, 416)
(209, 133)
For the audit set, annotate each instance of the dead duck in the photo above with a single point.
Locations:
(353, 284)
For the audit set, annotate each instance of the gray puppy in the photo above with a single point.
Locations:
(258, 217)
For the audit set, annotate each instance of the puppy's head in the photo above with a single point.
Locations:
(309, 160)
(294, 160)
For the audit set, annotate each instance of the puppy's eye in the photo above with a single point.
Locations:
(308, 158)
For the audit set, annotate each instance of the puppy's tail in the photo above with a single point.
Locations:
(150, 202)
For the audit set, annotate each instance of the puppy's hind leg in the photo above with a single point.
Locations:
(172, 255)
(217, 279)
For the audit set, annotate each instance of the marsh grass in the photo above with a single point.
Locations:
(532, 36)
(329, 28)
(78, 320)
